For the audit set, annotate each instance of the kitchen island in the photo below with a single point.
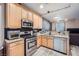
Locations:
(57, 42)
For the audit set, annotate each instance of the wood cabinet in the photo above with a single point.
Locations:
(15, 48)
(24, 13)
(50, 42)
(39, 41)
(58, 43)
(37, 21)
(40, 22)
(47, 41)
(13, 16)
(15, 13)
(44, 41)
(30, 16)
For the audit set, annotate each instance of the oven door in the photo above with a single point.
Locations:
(31, 45)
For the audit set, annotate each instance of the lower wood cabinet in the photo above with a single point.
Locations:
(50, 42)
(15, 48)
(44, 41)
(58, 43)
(38, 41)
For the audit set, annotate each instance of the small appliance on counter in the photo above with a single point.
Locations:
(11, 34)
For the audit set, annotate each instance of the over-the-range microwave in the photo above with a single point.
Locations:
(26, 23)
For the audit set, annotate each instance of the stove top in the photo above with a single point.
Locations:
(30, 36)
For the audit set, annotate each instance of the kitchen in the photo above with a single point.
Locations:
(35, 29)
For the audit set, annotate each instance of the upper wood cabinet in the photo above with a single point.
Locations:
(37, 21)
(15, 13)
(13, 16)
(30, 16)
(24, 13)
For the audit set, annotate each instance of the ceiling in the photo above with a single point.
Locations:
(70, 13)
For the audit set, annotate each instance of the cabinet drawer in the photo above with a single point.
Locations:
(16, 43)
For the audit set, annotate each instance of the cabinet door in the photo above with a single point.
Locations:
(35, 21)
(59, 44)
(50, 42)
(30, 16)
(17, 50)
(44, 41)
(38, 41)
(10, 14)
(13, 16)
(24, 14)
(18, 17)
(40, 22)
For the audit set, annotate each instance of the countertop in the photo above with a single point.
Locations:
(53, 35)
(62, 36)
(15, 40)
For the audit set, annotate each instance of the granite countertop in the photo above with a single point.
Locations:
(63, 36)
(11, 41)
(53, 35)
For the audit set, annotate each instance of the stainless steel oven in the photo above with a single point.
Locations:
(26, 23)
(31, 46)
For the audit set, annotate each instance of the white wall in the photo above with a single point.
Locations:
(46, 25)
(1, 25)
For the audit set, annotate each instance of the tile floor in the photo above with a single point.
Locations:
(42, 51)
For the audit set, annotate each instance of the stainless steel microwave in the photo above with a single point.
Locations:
(26, 23)
(13, 34)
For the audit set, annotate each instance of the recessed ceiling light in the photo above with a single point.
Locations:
(41, 6)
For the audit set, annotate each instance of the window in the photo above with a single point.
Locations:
(60, 26)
